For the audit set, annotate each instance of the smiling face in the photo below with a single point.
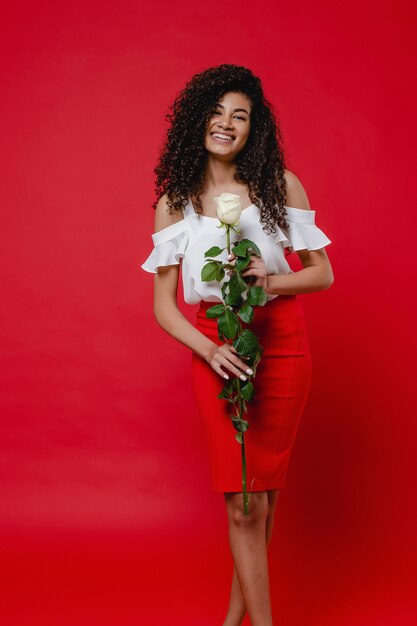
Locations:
(229, 126)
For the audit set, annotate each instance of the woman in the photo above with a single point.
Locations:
(224, 138)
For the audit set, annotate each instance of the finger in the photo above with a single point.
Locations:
(253, 265)
(256, 271)
(224, 362)
(233, 349)
(243, 366)
(228, 363)
(239, 364)
(218, 369)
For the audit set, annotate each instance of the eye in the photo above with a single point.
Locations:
(239, 117)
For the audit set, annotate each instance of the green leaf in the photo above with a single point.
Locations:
(214, 251)
(210, 271)
(240, 425)
(220, 273)
(225, 395)
(235, 300)
(247, 343)
(251, 245)
(239, 249)
(257, 296)
(242, 262)
(228, 324)
(235, 383)
(243, 246)
(238, 437)
(215, 311)
(237, 285)
(246, 313)
(247, 391)
(229, 385)
(242, 282)
(253, 362)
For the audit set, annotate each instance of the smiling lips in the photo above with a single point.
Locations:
(222, 137)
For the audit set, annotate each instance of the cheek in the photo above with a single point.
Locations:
(244, 139)
(245, 134)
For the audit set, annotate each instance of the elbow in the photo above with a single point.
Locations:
(328, 280)
(164, 314)
(159, 316)
(156, 317)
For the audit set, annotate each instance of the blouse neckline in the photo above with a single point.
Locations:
(209, 217)
(303, 215)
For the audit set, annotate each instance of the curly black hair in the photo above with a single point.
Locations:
(260, 164)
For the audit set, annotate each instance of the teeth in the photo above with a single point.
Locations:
(222, 136)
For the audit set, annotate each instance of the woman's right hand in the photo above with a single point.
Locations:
(226, 355)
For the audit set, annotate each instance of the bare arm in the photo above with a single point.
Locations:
(170, 318)
(317, 273)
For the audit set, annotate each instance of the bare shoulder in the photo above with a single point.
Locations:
(296, 194)
(162, 216)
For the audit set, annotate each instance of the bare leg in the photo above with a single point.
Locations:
(246, 534)
(237, 607)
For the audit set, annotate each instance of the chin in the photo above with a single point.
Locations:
(211, 146)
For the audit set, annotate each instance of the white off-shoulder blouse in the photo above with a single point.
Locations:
(189, 239)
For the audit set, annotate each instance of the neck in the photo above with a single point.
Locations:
(219, 174)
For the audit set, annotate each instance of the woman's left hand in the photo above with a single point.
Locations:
(255, 268)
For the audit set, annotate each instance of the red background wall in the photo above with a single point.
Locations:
(106, 511)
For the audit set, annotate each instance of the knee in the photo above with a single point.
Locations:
(272, 502)
(257, 509)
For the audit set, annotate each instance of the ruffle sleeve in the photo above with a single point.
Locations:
(302, 232)
(170, 245)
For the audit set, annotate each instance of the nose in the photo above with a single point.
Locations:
(225, 123)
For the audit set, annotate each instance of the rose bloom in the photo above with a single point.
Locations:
(229, 208)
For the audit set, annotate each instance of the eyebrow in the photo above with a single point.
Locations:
(220, 105)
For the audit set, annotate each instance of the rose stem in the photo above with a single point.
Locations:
(228, 237)
(245, 495)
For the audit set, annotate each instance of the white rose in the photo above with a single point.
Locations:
(229, 208)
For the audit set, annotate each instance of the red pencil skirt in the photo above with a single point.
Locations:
(282, 384)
